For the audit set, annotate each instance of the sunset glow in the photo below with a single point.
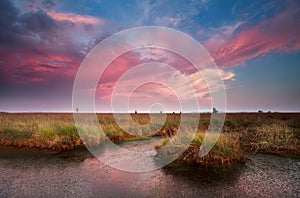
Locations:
(255, 44)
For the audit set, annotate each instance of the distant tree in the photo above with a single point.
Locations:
(173, 113)
(160, 112)
(215, 110)
(135, 112)
(77, 109)
(260, 111)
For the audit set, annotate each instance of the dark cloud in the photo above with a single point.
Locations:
(48, 4)
(8, 17)
(7, 12)
(31, 41)
(38, 4)
(37, 22)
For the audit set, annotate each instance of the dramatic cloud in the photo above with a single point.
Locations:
(149, 93)
(43, 42)
(38, 42)
(233, 45)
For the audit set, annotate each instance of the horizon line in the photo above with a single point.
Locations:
(142, 112)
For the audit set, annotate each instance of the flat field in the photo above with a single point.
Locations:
(273, 133)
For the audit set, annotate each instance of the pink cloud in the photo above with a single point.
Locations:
(28, 67)
(60, 59)
(50, 56)
(74, 18)
(151, 92)
(278, 34)
(37, 80)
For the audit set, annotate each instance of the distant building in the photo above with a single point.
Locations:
(215, 110)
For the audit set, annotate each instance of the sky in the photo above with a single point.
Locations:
(255, 44)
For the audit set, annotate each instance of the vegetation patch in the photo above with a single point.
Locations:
(273, 133)
(275, 138)
(225, 153)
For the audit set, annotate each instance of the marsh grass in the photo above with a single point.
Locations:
(225, 153)
(58, 131)
(276, 137)
(274, 133)
(51, 131)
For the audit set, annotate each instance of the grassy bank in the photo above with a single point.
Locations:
(274, 133)
(225, 153)
(51, 131)
(56, 131)
(271, 133)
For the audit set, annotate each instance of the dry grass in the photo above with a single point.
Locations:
(258, 132)
(225, 153)
(57, 131)
(277, 138)
(52, 131)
